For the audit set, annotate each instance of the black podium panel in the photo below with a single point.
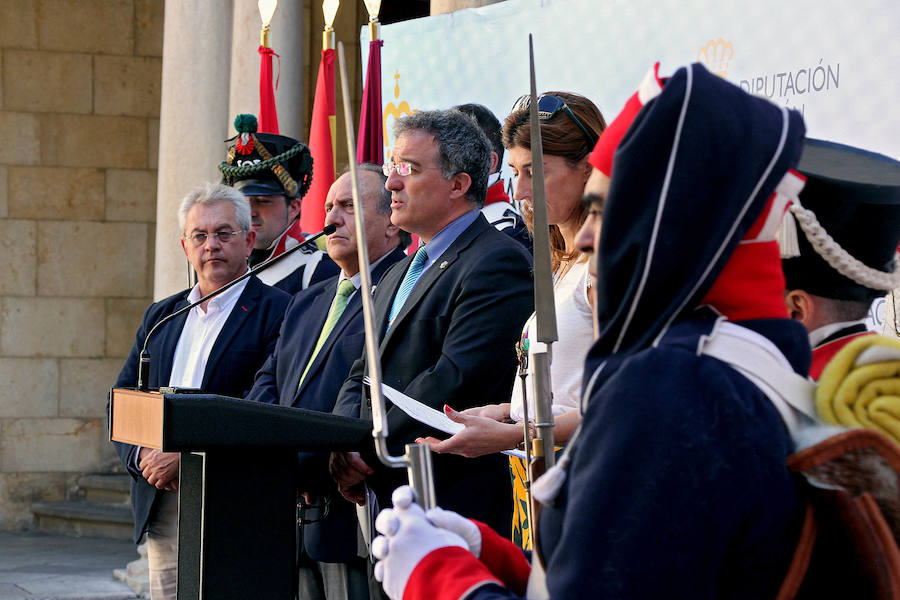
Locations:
(237, 525)
(237, 500)
(201, 422)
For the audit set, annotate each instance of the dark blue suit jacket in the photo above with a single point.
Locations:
(453, 342)
(324, 270)
(332, 539)
(246, 339)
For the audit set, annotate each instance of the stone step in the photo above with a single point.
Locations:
(82, 518)
(105, 489)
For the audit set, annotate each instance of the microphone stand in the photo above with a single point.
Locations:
(144, 364)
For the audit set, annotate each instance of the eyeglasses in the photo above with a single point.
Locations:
(402, 168)
(548, 106)
(224, 236)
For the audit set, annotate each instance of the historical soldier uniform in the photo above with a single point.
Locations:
(676, 484)
(501, 213)
(265, 164)
(853, 196)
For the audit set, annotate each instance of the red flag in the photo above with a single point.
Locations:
(369, 142)
(321, 145)
(268, 116)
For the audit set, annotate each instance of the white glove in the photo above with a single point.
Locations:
(407, 537)
(461, 526)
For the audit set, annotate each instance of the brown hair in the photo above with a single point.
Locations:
(560, 136)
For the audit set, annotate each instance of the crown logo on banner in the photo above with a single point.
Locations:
(716, 55)
(392, 112)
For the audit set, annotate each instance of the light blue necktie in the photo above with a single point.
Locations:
(409, 282)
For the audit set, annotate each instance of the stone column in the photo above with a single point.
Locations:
(439, 7)
(286, 38)
(193, 119)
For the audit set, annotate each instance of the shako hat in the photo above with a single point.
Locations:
(264, 164)
(701, 156)
(847, 224)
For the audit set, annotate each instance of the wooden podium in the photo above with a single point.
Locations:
(237, 501)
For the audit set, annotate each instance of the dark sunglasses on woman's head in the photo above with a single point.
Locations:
(549, 105)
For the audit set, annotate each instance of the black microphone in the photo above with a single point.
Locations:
(144, 362)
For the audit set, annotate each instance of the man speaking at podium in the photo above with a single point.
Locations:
(216, 347)
(447, 318)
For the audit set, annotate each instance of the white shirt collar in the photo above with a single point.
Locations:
(222, 302)
(357, 279)
(817, 336)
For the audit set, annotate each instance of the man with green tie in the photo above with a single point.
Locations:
(322, 334)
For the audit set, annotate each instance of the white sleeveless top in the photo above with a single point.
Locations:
(576, 334)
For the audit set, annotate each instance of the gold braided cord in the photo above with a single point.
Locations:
(273, 163)
(281, 173)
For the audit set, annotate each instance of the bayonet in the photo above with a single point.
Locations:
(544, 305)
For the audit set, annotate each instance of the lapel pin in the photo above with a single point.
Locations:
(444, 264)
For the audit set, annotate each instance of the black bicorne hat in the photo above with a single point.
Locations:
(264, 164)
(848, 224)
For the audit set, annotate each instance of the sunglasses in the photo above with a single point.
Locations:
(548, 106)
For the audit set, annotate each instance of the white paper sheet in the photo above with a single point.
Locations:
(427, 415)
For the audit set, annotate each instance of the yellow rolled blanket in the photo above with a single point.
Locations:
(860, 386)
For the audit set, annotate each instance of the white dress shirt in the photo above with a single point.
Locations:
(201, 328)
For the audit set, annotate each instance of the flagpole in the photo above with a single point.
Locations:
(322, 127)
(329, 12)
(370, 145)
(266, 12)
(374, 7)
(268, 116)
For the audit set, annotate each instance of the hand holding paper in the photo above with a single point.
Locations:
(481, 427)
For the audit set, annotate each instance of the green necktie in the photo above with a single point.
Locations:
(345, 289)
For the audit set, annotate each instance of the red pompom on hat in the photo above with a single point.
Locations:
(602, 156)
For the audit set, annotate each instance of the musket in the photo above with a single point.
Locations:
(544, 305)
(417, 457)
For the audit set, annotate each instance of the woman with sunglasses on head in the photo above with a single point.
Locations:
(570, 126)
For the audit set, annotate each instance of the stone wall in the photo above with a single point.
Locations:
(80, 96)
(79, 115)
